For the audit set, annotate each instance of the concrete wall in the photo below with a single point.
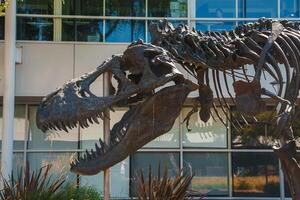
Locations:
(46, 66)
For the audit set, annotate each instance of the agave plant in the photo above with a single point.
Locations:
(162, 188)
(35, 185)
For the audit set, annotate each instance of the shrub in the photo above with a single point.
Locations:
(72, 192)
(162, 188)
(37, 185)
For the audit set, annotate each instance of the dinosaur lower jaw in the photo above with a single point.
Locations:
(140, 125)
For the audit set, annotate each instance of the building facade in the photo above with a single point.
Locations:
(58, 40)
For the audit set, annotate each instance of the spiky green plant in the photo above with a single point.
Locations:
(162, 188)
(32, 185)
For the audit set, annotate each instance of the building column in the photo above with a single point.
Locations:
(106, 135)
(9, 89)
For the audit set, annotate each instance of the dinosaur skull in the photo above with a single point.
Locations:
(140, 71)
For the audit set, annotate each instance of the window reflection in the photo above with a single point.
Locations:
(214, 25)
(18, 163)
(82, 7)
(255, 175)
(124, 30)
(167, 8)
(35, 6)
(119, 180)
(125, 8)
(142, 161)
(89, 30)
(19, 127)
(215, 8)
(210, 170)
(210, 134)
(59, 162)
(167, 140)
(57, 140)
(289, 8)
(257, 8)
(34, 28)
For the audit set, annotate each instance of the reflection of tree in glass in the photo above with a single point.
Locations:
(259, 133)
(124, 8)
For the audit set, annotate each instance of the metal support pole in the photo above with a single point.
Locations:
(106, 132)
(9, 90)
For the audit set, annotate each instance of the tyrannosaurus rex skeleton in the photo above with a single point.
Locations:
(269, 47)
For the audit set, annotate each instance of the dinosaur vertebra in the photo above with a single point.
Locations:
(271, 47)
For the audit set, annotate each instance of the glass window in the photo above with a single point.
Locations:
(215, 8)
(167, 8)
(142, 161)
(255, 134)
(210, 134)
(257, 8)
(210, 170)
(119, 176)
(289, 8)
(91, 135)
(175, 24)
(168, 140)
(2, 28)
(57, 140)
(59, 161)
(19, 126)
(82, 7)
(89, 30)
(18, 163)
(124, 30)
(35, 6)
(214, 25)
(29, 28)
(125, 8)
(255, 175)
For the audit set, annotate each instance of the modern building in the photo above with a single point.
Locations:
(58, 40)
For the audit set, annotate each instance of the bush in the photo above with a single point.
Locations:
(29, 185)
(72, 192)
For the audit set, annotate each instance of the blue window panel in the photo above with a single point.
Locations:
(125, 8)
(29, 28)
(257, 8)
(289, 8)
(215, 8)
(124, 30)
(174, 22)
(88, 30)
(214, 25)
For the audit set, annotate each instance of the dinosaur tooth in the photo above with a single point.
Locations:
(88, 155)
(90, 120)
(98, 149)
(113, 110)
(81, 124)
(93, 153)
(95, 119)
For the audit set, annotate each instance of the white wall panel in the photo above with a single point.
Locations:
(44, 68)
